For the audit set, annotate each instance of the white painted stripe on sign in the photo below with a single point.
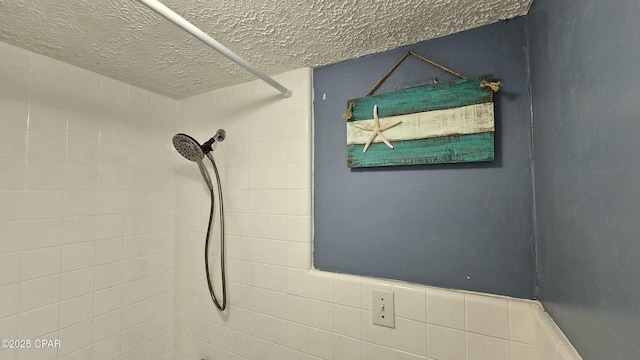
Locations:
(464, 120)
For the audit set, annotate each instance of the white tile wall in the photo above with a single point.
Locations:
(86, 212)
(280, 309)
(96, 210)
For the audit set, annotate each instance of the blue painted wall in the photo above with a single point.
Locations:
(585, 73)
(463, 226)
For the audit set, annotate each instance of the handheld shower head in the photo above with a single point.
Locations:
(191, 149)
(188, 147)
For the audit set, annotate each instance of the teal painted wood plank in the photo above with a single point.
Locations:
(421, 99)
(449, 149)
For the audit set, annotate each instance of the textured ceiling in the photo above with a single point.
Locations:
(124, 40)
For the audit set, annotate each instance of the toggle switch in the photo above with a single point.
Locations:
(383, 310)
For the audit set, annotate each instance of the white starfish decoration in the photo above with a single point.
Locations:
(376, 129)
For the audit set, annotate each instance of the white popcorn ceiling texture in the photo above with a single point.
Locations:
(125, 40)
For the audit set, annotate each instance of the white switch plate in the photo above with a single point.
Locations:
(382, 308)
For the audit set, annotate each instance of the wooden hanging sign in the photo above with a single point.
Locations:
(435, 124)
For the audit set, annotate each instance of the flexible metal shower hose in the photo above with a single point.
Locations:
(222, 306)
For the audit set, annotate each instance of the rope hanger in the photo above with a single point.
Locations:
(494, 86)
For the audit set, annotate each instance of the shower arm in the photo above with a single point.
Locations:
(170, 15)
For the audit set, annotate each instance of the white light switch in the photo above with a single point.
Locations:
(382, 308)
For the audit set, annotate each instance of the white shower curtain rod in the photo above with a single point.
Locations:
(161, 9)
